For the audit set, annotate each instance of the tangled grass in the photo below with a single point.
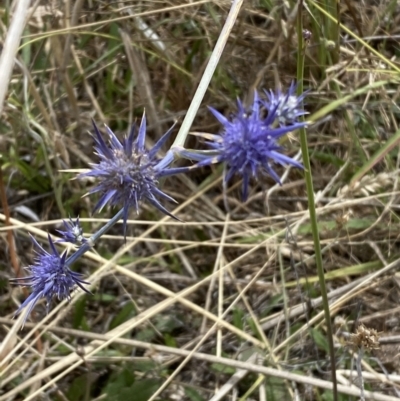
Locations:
(227, 304)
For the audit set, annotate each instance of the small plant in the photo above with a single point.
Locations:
(128, 174)
(364, 339)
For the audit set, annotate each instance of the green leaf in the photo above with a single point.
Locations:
(146, 335)
(238, 315)
(274, 301)
(146, 366)
(276, 390)
(104, 298)
(118, 381)
(79, 320)
(193, 395)
(125, 314)
(219, 367)
(142, 390)
(170, 341)
(166, 324)
(320, 339)
(77, 389)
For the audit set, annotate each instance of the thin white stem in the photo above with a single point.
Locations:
(359, 372)
(10, 48)
(208, 73)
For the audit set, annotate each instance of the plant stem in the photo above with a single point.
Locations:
(92, 240)
(208, 73)
(332, 27)
(359, 372)
(311, 201)
(11, 44)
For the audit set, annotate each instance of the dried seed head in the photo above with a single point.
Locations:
(364, 337)
(367, 185)
(343, 219)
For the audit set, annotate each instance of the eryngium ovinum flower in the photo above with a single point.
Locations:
(248, 144)
(288, 106)
(73, 232)
(49, 277)
(128, 173)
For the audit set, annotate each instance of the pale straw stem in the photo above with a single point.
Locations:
(10, 48)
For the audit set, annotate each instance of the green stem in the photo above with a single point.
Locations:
(331, 27)
(208, 73)
(311, 202)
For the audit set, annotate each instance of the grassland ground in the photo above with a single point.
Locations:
(226, 303)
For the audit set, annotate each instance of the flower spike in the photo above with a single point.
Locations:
(248, 143)
(49, 277)
(127, 172)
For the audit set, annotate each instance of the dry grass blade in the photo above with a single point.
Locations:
(10, 48)
(9, 342)
(142, 81)
(234, 380)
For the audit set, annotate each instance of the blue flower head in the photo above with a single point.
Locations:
(128, 173)
(49, 277)
(287, 107)
(248, 144)
(73, 232)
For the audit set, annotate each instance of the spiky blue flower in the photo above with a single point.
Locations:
(128, 173)
(288, 106)
(49, 277)
(248, 144)
(73, 232)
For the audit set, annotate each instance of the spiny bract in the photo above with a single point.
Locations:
(128, 173)
(248, 143)
(288, 107)
(49, 277)
(73, 232)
